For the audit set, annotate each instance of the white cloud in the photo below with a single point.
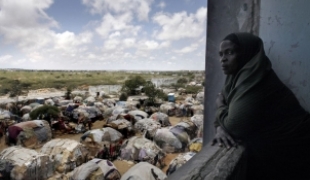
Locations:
(25, 24)
(5, 58)
(165, 44)
(115, 39)
(111, 44)
(140, 7)
(119, 23)
(161, 5)
(188, 49)
(180, 25)
(129, 42)
(151, 44)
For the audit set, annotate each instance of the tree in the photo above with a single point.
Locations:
(131, 84)
(123, 97)
(47, 110)
(153, 93)
(68, 93)
(182, 81)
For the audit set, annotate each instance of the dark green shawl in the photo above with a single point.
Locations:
(264, 113)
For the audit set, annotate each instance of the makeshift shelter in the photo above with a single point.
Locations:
(105, 140)
(123, 126)
(149, 126)
(144, 171)
(67, 154)
(25, 164)
(168, 108)
(109, 102)
(172, 140)
(197, 109)
(195, 145)
(141, 149)
(95, 169)
(30, 134)
(200, 97)
(49, 102)
(179, 161)
(138, 114)
(197, 119)
(187, 126)
(162, 118)
(26, 109)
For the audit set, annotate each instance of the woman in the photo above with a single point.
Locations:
(258, 109)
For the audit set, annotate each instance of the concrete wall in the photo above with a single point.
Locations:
(285, 30)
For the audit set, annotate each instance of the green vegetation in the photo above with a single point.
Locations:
(19, 82)
(132, 83)
(123, 97)
(46, 111)
(31, 79)
(193, 89)
(153, 93)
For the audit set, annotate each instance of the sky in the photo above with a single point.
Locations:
(103, 34)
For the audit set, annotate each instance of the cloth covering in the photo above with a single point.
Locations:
(265, 114)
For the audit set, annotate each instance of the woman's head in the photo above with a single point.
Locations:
(236, 50)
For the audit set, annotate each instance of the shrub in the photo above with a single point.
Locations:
(123, 97)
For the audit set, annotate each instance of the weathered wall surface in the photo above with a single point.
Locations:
(217, 163)
(285, 30)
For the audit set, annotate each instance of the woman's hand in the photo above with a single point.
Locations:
(222, 137)
(220, 101)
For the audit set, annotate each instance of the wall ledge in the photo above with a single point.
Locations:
(213, 162)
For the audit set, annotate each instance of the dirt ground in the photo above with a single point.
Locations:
(122, 166)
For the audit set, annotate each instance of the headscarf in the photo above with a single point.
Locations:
(253, 63)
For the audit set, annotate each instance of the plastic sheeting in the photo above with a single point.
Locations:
(34, 137)
(189, 127)
(140, 149)
(149, 172)
(67, 154)
(195, 145)
(179, 161)
(148, 125)
(27, 164)
(96, 139)
(168, 108)
(138, 114)
(172, 140)
(95, 169)
(162, 118)
(200, 97)
(121, 124)
(197, 119)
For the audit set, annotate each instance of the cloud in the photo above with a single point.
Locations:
(114, 41)
(5, 58)
(120, 23)
(25, 24)
(161, 5)
(188, 49)
(140, 7)
(180, 25)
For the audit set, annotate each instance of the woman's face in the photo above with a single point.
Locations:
(229, 57)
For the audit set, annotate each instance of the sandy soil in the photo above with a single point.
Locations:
(122, 166)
